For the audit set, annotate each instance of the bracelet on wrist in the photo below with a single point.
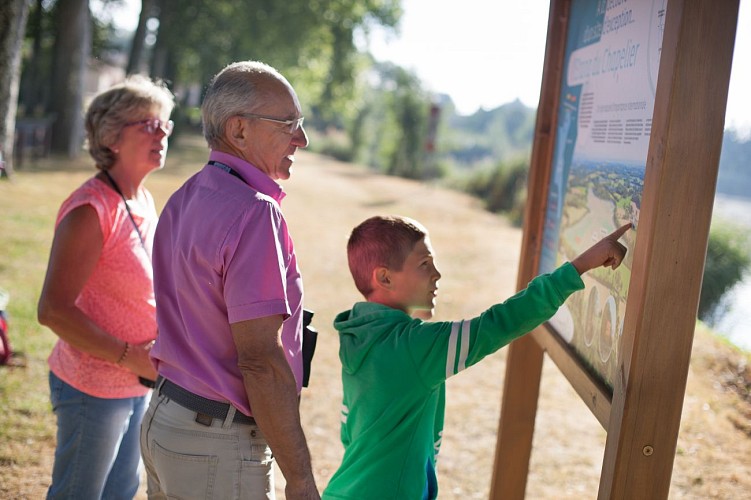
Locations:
(124, 355)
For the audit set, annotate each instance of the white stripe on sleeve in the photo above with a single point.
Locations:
(464, 346)
(451, 354)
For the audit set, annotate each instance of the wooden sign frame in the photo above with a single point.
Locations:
(641, 414)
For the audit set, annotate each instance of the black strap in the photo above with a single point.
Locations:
(127, 209)
(227, 169)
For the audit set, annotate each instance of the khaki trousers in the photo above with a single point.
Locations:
(189, 460)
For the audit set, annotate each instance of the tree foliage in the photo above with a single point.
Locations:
(311, 42)
(186, 42)
(728, 259)
(389, 124)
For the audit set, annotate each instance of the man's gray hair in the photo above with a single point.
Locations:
(233, 91)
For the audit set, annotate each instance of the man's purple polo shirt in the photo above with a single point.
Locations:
(222, 254)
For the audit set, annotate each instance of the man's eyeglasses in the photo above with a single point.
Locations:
(291, 126)
(151, 125)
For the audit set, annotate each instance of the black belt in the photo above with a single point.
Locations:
(206, 409)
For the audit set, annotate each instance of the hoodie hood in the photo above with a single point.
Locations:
(363, 326)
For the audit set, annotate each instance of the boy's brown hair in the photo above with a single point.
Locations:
(381, 241)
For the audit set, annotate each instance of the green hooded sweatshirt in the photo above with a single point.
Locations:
(394, 369)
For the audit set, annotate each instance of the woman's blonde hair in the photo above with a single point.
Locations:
(111, 110)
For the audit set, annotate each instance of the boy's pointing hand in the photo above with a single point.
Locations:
(607, 252)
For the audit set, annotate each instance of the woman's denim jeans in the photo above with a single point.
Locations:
(98, 453)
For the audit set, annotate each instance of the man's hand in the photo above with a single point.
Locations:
(306, 491)
(272, 393)
(607, 252)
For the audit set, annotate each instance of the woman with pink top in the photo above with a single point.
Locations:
(98, 296)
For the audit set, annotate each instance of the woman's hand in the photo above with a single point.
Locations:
(138, 361)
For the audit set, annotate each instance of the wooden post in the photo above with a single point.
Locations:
(679, 187)
(525, 356)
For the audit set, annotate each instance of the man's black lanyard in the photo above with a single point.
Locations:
(227, 169)
(310, 334)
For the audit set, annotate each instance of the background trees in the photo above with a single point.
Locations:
(311, 42)
(185, 42)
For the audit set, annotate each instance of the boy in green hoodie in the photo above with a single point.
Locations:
(394, 364)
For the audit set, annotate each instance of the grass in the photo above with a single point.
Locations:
(26, 424)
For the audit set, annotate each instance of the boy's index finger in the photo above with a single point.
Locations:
(616, 235)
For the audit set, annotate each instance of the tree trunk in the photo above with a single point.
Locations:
(13, 16)
(34, 82)
(135, 60)
(72, 48)
(163, 58)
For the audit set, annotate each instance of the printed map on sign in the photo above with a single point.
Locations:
(604, 121)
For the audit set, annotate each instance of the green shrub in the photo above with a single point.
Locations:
(728, 259)
(338, 151)
(503, 189)
(330, 142)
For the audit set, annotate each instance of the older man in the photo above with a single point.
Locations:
(229, 297)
